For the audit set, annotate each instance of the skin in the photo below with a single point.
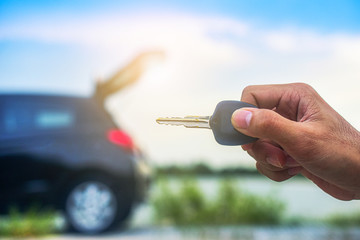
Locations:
(299, 133)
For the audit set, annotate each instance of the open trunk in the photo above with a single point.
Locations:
(126, 75)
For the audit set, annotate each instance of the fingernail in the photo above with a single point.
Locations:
(274, 162)
(241, 118)
(290, 162)
(294, 171)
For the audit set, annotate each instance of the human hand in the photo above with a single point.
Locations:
(300, 133)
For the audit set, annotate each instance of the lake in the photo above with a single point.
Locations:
(301, 196)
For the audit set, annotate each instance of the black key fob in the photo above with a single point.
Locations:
(223, 130)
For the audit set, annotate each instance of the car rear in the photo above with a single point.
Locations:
(53, 145)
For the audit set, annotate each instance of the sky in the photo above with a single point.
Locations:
(213, 50)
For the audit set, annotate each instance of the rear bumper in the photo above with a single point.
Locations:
(143, 179)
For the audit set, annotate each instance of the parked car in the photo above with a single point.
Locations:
(67, 152)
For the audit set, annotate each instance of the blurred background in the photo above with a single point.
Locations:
(210, 51)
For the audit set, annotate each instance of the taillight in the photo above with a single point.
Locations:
(121, 138)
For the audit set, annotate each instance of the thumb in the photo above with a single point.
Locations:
(265, 123)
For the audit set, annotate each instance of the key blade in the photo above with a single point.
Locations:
(188, 121)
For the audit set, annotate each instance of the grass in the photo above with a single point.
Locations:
(32, 223)
(188, 206)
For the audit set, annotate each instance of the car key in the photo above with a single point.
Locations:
(219, 123)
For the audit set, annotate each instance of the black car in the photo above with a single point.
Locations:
(66, 152)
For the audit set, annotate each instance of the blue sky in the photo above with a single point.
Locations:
(214, 49)
(324, 15)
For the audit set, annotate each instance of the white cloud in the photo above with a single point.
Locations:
(208, 59)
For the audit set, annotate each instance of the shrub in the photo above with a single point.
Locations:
(231, 206)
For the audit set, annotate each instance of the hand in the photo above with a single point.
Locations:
(300, 133)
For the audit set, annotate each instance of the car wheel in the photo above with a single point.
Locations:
(93, 206)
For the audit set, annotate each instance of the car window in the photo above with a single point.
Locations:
(16, 120)
(47, 119)
(25, 118)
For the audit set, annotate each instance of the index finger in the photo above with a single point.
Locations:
(266, 96)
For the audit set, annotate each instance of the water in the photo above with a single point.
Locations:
(301, 196)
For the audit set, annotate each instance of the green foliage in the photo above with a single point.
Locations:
(231, 206)
(234, 206)
(29, 224)
(344, 220)
(180, 207)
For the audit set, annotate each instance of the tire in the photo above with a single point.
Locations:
(92, 205)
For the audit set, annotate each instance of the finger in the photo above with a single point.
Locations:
(270, 96)
(246, 147)
(329, 188)
(265, 165)
(291, 162)
(267, 124)
(271, 167)
(263, 96)
(265, 152)
(259, 149)
(277, 176)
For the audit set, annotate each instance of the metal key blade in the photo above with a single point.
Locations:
(188, 121)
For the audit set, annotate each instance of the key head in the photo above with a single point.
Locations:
(223, 130)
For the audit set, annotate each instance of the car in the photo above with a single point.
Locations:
(66, 152)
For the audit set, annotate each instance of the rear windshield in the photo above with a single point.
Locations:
(33, 116)
(22, 118)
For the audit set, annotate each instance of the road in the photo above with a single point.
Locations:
(226, 233)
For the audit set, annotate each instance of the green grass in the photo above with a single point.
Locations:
(32, 223)
(189, 206)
